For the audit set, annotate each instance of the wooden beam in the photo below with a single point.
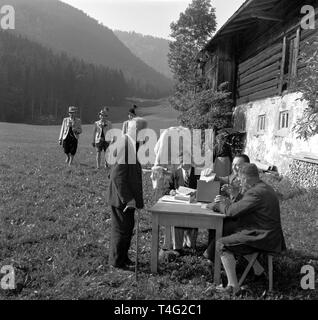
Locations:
(265, 63)
(272, 69)
(266, 16)
(282, 67)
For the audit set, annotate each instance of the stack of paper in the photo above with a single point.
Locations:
(185, 191)
(209, 178)
(172, 199)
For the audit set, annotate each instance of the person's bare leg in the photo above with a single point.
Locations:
(71, 160)
(229, 264)
(67, 158)
(98, 157)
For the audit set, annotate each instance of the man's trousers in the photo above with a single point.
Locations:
(121, 234)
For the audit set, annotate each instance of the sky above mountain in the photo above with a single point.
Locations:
(149, 17)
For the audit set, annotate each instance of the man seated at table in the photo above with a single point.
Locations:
(259, 225)
(230, 184)
(183, 176)
(231, 188)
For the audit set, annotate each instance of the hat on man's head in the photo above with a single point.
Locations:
(103, 112)
(132, 111)
(72, 109)
(249, 170)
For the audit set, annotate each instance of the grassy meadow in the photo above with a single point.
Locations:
(55, 228)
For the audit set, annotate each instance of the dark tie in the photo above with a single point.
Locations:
(187, 179)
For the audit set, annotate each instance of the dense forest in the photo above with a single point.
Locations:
(152, 50)
(63, 28)
(37, 85)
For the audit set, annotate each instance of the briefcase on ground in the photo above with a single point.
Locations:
(207, 191)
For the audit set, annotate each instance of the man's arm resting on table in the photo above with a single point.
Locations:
(249, 201)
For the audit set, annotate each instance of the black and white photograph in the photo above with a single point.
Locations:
(159, 154)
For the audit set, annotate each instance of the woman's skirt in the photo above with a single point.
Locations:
(70, 145)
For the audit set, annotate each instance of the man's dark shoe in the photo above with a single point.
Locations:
(229, 290)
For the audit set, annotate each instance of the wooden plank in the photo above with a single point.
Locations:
(295, 54)
(261, 86)
(272, 68)
(266, 63)
(252, 91)
(282, 67)
(265, 54)
(257, 96)
(260, 80)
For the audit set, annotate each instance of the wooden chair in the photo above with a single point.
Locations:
(270, 269)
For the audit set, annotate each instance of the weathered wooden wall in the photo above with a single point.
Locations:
(254, 61)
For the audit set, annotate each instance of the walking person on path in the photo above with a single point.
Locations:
(99, 141)
(70, 130)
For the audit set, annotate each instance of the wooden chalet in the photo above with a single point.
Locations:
(257, 52)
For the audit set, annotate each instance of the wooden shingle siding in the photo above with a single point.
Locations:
(258, 76)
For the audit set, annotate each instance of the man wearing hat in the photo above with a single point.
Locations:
(125, 195)
(69, 134)
(259, 225)
(100, 129)
(131, 115)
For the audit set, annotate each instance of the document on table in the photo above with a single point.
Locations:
(208, 178)
(185, 191)
(173, 200)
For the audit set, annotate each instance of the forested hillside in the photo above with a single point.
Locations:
(151, 50)
(63, 28)
(37, 85)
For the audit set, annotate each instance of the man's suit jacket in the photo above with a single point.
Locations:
(77, 128)
(99, 128)
(125, 181)
(259, 223)
(176, 180)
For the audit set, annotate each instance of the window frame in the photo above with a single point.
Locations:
(261, 123)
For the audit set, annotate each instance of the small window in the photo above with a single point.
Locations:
(261, 123)
(284, 120)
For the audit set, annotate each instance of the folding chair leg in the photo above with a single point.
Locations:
(270, 272)
(248, 268)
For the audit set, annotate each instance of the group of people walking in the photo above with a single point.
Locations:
(71, 129)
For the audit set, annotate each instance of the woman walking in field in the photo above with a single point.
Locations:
(69, 134)
(99, 136)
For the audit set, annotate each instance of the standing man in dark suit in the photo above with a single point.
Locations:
(125, 194)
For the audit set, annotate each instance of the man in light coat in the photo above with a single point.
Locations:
(70, 130)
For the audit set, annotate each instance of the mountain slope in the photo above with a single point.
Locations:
(149, 49)
(37, 85)
(63, 28)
